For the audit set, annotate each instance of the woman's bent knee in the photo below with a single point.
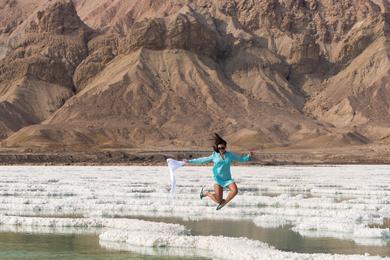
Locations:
(233, 189)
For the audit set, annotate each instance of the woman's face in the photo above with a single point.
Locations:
(221, 148)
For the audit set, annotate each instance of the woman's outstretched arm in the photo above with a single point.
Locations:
(201, 160)
(244, 158)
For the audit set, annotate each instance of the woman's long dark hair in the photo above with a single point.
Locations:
(218, 140)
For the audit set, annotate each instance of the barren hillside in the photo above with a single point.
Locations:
(141, 74)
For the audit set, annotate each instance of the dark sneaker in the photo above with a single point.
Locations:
(220, 206)
(201, 195)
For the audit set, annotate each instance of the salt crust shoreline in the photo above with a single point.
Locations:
(325, 201)
(170, 239)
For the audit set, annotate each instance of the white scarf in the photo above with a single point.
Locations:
(173, 165)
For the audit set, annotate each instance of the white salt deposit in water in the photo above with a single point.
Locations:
(340, 201)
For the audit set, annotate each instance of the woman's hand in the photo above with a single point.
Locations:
(185, 161)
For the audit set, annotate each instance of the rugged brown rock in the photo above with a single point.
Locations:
(36, 71)
(87, 74)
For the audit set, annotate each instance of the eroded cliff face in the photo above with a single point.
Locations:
(80, 74)
(36, 72)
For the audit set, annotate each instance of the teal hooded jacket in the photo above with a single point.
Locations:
(221, 168)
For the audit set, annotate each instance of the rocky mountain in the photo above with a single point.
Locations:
(147, 74)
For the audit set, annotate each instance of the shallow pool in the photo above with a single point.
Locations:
(282, 238)
(61, 246)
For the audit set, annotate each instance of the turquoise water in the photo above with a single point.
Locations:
(22, 245)
(61, 246)
(281, 238)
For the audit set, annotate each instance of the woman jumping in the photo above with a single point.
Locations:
(221, 171)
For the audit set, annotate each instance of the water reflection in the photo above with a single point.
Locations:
(80, 243)
(63, 246)
(282, 238)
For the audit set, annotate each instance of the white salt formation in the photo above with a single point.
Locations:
(346, 202)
